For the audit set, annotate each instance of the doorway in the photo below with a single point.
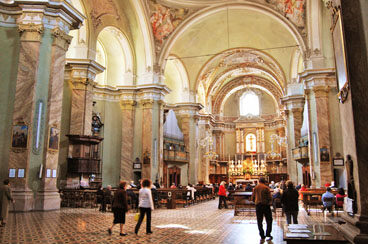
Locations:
(306, 176)
(137, 177)
(174, 175)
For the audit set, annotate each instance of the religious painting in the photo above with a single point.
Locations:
(325, 156)
(164, 20)
(146, 158)
(340, 57)
(19, 136)
(54, 136)
(294, 10)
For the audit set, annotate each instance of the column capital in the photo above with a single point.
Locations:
(292, 102)
(31, 31)
(152, 91)
(190, 109)
(61, 39)
(321, 91)
(82, 72)
(147, 103)
(32, 17)
(318, 77)
(128, 104)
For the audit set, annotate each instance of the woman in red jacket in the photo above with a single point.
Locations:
(222, 195)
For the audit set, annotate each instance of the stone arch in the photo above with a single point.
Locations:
(234, 5)
(219, 99)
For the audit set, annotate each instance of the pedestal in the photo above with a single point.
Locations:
(47, 200)
(23, 200)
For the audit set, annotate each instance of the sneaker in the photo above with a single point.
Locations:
(109, 231)
(123, 234)
(269, 238)
(149, 233)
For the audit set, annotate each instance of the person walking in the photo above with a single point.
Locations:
(145, 206)
(119, 208)
(222, 195)
(262, 198)
(5, 199)
(289, 200)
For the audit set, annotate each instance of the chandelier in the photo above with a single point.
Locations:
(208, 141)
(282, 143)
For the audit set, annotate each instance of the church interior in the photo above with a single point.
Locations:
(181, 92)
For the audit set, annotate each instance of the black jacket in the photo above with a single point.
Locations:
(289, 200)
(120, 200)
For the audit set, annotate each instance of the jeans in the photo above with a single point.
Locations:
(142, 212)
(295, 217)
(264, 210)
(222, 199)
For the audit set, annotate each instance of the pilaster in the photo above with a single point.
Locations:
(43, 28)
(318, 85)
(188, 112)
(81, 73)
(127, 137)
(150, 100)
(294, 116)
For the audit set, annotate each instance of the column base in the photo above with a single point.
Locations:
(47, 200)
(355, 229)
(24, 199)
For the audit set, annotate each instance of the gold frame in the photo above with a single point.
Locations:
(49, 137)
(342, 75)
(12, 137)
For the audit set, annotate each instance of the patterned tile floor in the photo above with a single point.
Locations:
(202, 223)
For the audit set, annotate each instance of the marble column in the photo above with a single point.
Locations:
(205, 128)
(43, 29)
(81, 73)
(318, 85)
(294, 113)
(127, 149)
(150, 103)
(188, 112)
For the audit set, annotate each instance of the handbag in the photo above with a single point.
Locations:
(137, 215)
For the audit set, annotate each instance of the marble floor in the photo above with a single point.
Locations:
(202, 223)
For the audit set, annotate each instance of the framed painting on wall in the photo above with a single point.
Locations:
(54, 136)
(340, 57)
(19, 136)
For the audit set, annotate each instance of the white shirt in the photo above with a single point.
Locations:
(145, 198)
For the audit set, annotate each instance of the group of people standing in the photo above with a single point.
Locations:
(263, 200)
(120, 207)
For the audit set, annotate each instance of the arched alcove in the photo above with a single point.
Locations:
(176, 78)
(114, 52)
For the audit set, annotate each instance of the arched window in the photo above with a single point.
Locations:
(249, 104)
(250, 143)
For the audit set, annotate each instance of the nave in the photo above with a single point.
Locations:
(202, 223)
